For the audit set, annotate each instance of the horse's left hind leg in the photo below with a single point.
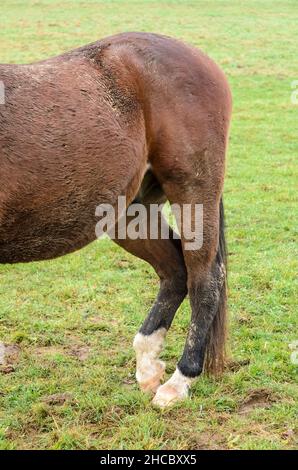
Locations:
(165, 255)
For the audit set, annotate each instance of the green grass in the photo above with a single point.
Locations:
(96, 298)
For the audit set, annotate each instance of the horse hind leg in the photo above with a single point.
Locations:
(168, 262)
(206, 280)
(165, 255)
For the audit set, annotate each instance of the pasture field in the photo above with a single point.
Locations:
(70, 384)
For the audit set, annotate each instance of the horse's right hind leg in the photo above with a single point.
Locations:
(206, 279)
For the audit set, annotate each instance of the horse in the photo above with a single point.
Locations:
(139, 115)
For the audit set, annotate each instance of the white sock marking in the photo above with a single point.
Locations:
(148, 348)
(176, 388)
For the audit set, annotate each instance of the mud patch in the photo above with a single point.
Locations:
(234, 366)
(58, 399)
(289, 435)
(80, 352)
(49, 350)
(256, 399)
(9, 357)
(7, 369)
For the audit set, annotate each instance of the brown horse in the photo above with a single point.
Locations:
(138, 115)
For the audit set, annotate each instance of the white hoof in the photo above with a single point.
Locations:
(175, 389)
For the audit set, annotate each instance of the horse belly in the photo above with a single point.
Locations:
(33, 235)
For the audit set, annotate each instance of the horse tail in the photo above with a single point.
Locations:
(216, 341)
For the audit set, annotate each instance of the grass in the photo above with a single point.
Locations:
(74, 318)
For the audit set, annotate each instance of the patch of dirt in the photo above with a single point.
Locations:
(222, 418)
(289, 435)
(261, 398)
(209, 442)
(95, 319)
(101, 319)
(58, 399)
(197, 441)
(80, 352)
(234, 366)
(181, 423)
(49, 350)
(9, 357)
(7, 369)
